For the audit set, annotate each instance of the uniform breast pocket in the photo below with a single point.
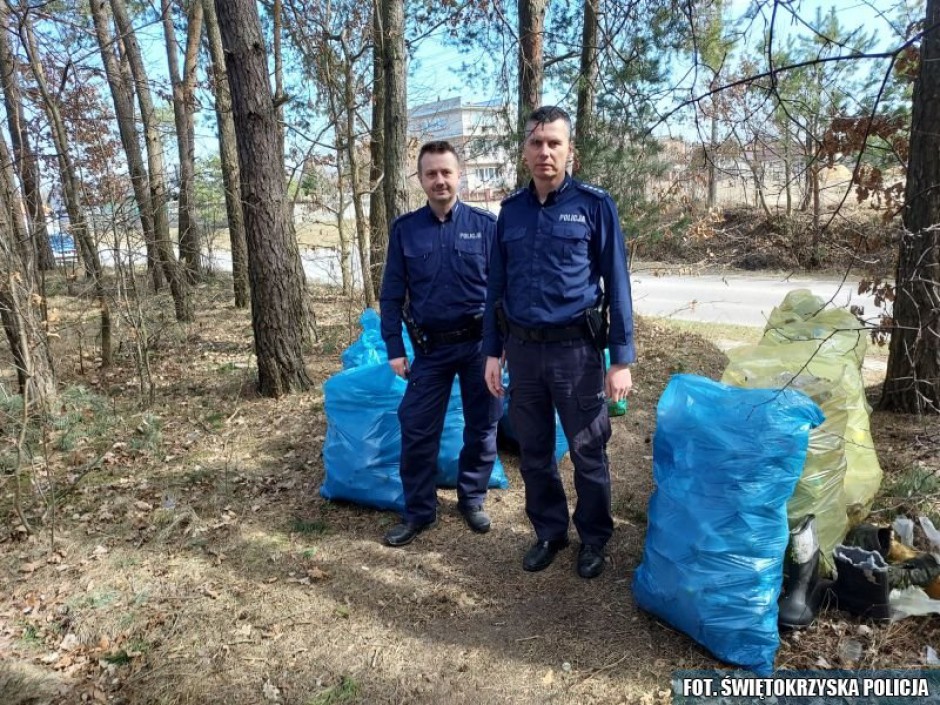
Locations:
(515, 240)
(420, 259)
(471, 258)
(569, 242)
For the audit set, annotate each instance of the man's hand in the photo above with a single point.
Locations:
(619, 382)
(494, 376)
(400, 366)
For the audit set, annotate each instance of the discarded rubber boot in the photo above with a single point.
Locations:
(881, 539)
(862, 585)
(923, 571)
(871, 538)
(906, 566)
(803, 591)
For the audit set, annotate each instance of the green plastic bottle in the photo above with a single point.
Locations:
(617, 408)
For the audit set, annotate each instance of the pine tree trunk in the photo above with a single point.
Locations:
(277, 16)
(531, 66)
(587, 89)
(123, 98)
(190, 236)
(355, 178)
(158, 196)
(277, 280)
(26, 162)
(87, 247)
(378, 223)
(396, 109)
(912, 383)
(228, 155)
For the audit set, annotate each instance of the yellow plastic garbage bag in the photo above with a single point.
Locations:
(821, 488)
(803, 316)
(838, 334)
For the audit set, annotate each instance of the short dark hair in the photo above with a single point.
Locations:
(436, 147)
(545, 114)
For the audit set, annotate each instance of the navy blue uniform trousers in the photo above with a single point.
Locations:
(567, 376)
(421, 414)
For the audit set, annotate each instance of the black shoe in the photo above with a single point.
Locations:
(477, 519)
(404, 533)
(542, 553)
(590, 561)
(862, 584)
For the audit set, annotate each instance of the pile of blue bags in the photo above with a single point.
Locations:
(363, 437)
(725, 462)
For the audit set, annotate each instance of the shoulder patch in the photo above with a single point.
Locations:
(489, 215)
(593, 190)
(513, 195)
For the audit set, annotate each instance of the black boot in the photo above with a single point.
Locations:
(863, 585)
(803, 591)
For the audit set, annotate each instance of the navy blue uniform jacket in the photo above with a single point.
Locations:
(438, 269)
(553, 261)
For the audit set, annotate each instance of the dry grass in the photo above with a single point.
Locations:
(199, 564)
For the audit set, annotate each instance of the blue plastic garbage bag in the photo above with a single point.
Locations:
(725, 462)
(452, 443)
(363, 437)
(369, 348)
(506, 431)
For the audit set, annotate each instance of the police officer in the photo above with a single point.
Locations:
(435, 278)
(558, 267)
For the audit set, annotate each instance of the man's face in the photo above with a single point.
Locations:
(546, 150)
(440, 175)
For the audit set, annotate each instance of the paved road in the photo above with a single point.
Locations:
(738, 299)
(735, 298)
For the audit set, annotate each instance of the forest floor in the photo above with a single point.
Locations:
(191, 560)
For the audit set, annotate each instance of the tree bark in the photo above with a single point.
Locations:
(15, 223)
(378, 222)
(531, 66)
(228, 155)
(184, 86)
(122, 96)
(277, 15)
(87, 247)
(587, 89)
(158, 195)
(26, 162)
(26, 336)
(355, 177)
(396, 109)
(277, 280)
(912, 383)
(339, 129)
(21, 318)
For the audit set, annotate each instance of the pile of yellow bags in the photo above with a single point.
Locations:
(819, 351)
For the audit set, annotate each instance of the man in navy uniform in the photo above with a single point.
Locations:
(435, 279)
(559, 266)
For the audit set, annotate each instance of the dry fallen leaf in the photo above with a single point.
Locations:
(317, 574)
(549, 677)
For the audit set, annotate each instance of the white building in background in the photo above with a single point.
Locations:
(479, 133)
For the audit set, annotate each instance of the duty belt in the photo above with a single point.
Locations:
(549, 335)
(472, 331)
